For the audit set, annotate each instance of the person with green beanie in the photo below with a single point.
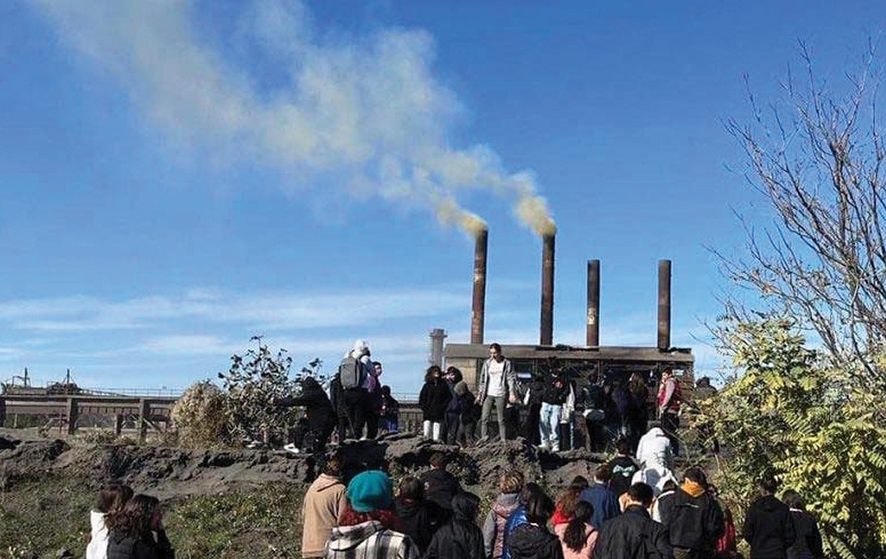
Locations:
(366, 527)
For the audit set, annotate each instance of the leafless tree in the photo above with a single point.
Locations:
(817, 159)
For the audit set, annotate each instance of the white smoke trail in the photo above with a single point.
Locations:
(366, 108)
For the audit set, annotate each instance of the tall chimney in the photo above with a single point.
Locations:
(593, 332)
(664, 304)
(547, 291)
(437, 335)
(478, 308)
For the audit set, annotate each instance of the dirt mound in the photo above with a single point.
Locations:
(175, 472)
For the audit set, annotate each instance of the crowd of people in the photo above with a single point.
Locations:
(612, 516)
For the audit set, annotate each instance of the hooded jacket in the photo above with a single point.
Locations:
(517, 519)
(655, 477)
(460, 538)
(323, 504)
(494, 526)
(369, 540)
(320, 413)
(419, 520)
(623, 469)
(98, 537)
(633, 535)
(655, 449)
(530, 541)
(808, 542)
(696, 520)
(769, 528)
(122, 546)
(440, 487)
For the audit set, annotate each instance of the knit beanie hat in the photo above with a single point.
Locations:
(370, 491)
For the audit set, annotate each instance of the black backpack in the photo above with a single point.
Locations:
(350, 372)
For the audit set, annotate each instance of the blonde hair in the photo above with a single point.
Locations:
(510, 482)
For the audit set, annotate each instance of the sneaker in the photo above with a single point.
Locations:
(291, 448)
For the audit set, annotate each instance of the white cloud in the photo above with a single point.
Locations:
(263, 311)
(364, 110)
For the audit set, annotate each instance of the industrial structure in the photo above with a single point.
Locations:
(613, 362)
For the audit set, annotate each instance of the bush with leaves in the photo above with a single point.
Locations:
(199, 416)
(787, 414)
(254, 384)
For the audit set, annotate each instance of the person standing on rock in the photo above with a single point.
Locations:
(319, 411)
(498, 385)
(669, 400)
(433, 401)
(556, 405)
(136, 531)
(323, 505)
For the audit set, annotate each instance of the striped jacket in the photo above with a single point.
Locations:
(369, 540)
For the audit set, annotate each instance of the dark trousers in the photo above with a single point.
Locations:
(371, 424)
(465, 433)
(564, 431)
(531, 431)
(669, 424)
(355, 398)
(450, 425)
(317, 439)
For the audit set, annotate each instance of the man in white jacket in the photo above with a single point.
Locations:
(655, 448)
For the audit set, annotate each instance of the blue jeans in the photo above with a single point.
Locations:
(548, 424)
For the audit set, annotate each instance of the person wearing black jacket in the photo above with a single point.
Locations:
(136, 531)
(633, 534)
(532, 401)
(695, 520)
(319, 411)
(533, 540)
(768, 526)
(433, 401)
(558, 394)
(453, 408)
(808, 542)
(418, 518)
(439, 485)
(340, 406)
(595, 414)
(460, 538)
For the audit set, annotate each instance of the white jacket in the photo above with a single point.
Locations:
(98, 543)
(655, 477)
(654, 450)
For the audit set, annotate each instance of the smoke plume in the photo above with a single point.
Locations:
(365, 110)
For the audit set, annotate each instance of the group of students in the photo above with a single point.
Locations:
(357, 405)
(602, 411)
(612, 517)
(127, 526)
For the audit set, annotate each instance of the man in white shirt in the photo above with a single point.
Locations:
(498, 381)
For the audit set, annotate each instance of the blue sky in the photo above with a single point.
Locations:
(178, 176)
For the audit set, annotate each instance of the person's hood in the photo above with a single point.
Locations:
(325, 482)
(407, 509)
(344, 538)
(692, 489)
(97, 521)
(770, 503)
(360, 349)
(465, 506)
(656, 432)
(507, 500)
(529, 540)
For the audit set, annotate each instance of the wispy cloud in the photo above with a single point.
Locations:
(292, 310)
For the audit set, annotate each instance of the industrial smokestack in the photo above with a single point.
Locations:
(478, 308)
(593, 331)
(664, 304)
(547, 290)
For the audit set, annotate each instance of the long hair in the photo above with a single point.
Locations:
(637, 386)
(432, 373)
(135, 518)
(112, 498)
(576, 535)
(569, 501)
(350, 517)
